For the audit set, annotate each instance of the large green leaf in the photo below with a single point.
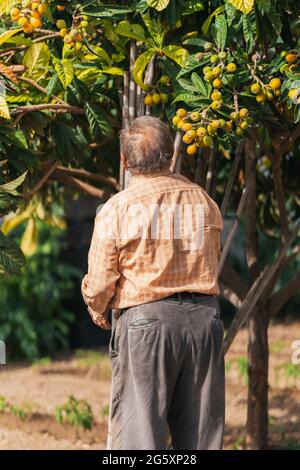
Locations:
(36, 59)
(108, 11)
(176, 53)
(8, 34)
(221, 31)
(159, 5)
(140, 66)
(65, 71)
(13, 185)
(97, 120)
(130, 30)
(207, 22)
(11, 257)
(155, 29)
(199, 84)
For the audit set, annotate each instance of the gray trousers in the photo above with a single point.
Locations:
(167, 376)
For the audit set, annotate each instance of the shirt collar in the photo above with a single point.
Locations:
(146, 176)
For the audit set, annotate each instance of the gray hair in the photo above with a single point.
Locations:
(147, 145)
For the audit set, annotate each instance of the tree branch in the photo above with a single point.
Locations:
(86, 174)
(48, 106)
(43, 90)
(259, 287)
(283, 295)
(38, 186)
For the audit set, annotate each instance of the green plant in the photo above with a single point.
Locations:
(240, 443)
(87, 358)
(242, 365)
(104, 412)
(288, 370)
(291, 444)
(33, 319)
(78, 413)
(3, 404)
(43, 361)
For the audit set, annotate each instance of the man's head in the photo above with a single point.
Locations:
(147, 146)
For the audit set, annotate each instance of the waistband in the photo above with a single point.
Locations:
(192, 297)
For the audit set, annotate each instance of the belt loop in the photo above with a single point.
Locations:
(179, 298)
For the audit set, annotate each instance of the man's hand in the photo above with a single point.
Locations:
(104, 323)
(100, 320)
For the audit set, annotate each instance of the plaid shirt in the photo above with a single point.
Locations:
(149, 242)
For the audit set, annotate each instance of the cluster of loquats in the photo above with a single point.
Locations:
(220, 66)
(74, 37)
(157, 95)
(267, 92)
(199, 130)
(29, 15)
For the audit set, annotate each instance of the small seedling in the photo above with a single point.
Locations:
(78, 413)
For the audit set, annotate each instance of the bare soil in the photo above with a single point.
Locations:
(39, 389)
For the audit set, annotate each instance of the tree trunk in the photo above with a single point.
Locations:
(257, 412)
(258, 357)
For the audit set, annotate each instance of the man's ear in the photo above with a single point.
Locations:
(124, 161)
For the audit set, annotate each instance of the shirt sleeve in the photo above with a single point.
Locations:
(98, 285)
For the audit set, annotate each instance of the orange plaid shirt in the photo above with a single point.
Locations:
(135, 258)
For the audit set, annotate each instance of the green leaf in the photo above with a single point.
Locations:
(199, 84)
(155, 29)
(176, 53)
(159, 5)
(108, 11)
(14, 184)
(19, 41)
(11, 257)
(194, 42)
(65, 71)
(113, 71)
(221, 31)
(8, 34)
(36, 59)
(248, 34)
(4, 110)
(97, 120)
(187, 97)
(140, 66)
(186, 84)
(207, 22)
(129, 30)
(193, 63)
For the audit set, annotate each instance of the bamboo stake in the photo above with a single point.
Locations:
(132, 84)
(176, 160)
(231, 179)
(233, 229)
(210, 171)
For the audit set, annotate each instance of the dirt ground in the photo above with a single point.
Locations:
(32, 393)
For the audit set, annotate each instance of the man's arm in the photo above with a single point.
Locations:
(98, 285)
